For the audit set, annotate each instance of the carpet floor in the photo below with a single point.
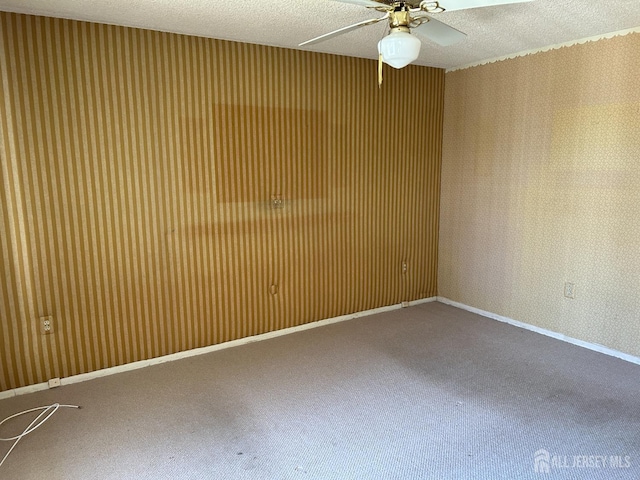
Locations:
(426, 392)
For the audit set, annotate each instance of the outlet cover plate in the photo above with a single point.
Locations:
(46, 325)
(569, 290)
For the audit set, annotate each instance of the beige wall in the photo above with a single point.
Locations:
(541, 186)
(137, 175)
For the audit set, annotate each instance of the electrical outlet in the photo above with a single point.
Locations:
(276, 201)
(569, 290)
(405, 267)
(46, 325)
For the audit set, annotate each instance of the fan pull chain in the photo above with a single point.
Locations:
(379, 70)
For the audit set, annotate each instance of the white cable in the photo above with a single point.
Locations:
(47, 411)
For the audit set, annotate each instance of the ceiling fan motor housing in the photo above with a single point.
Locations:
(400, 16)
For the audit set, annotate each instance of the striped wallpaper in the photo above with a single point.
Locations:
(163, 192)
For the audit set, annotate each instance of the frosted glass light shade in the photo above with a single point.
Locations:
(399, 49)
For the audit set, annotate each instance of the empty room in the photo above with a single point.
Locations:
(322, 239)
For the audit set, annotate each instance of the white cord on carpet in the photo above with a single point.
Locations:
(47, 411)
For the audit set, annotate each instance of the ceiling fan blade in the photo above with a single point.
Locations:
(364, 3)
(342, 30)
(439, 32)
(452, 5)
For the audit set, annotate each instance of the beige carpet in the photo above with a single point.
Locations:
(429, 392)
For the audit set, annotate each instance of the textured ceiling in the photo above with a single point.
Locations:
(492, 31)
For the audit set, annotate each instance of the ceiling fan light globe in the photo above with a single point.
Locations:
(399, 49)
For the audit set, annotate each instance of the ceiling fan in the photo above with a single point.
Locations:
(399, 48)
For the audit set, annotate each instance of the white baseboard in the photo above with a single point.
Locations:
(201, 351)
(559, 336)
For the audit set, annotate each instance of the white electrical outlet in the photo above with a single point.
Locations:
(276, 201)
(569, 290)
(46, 325)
